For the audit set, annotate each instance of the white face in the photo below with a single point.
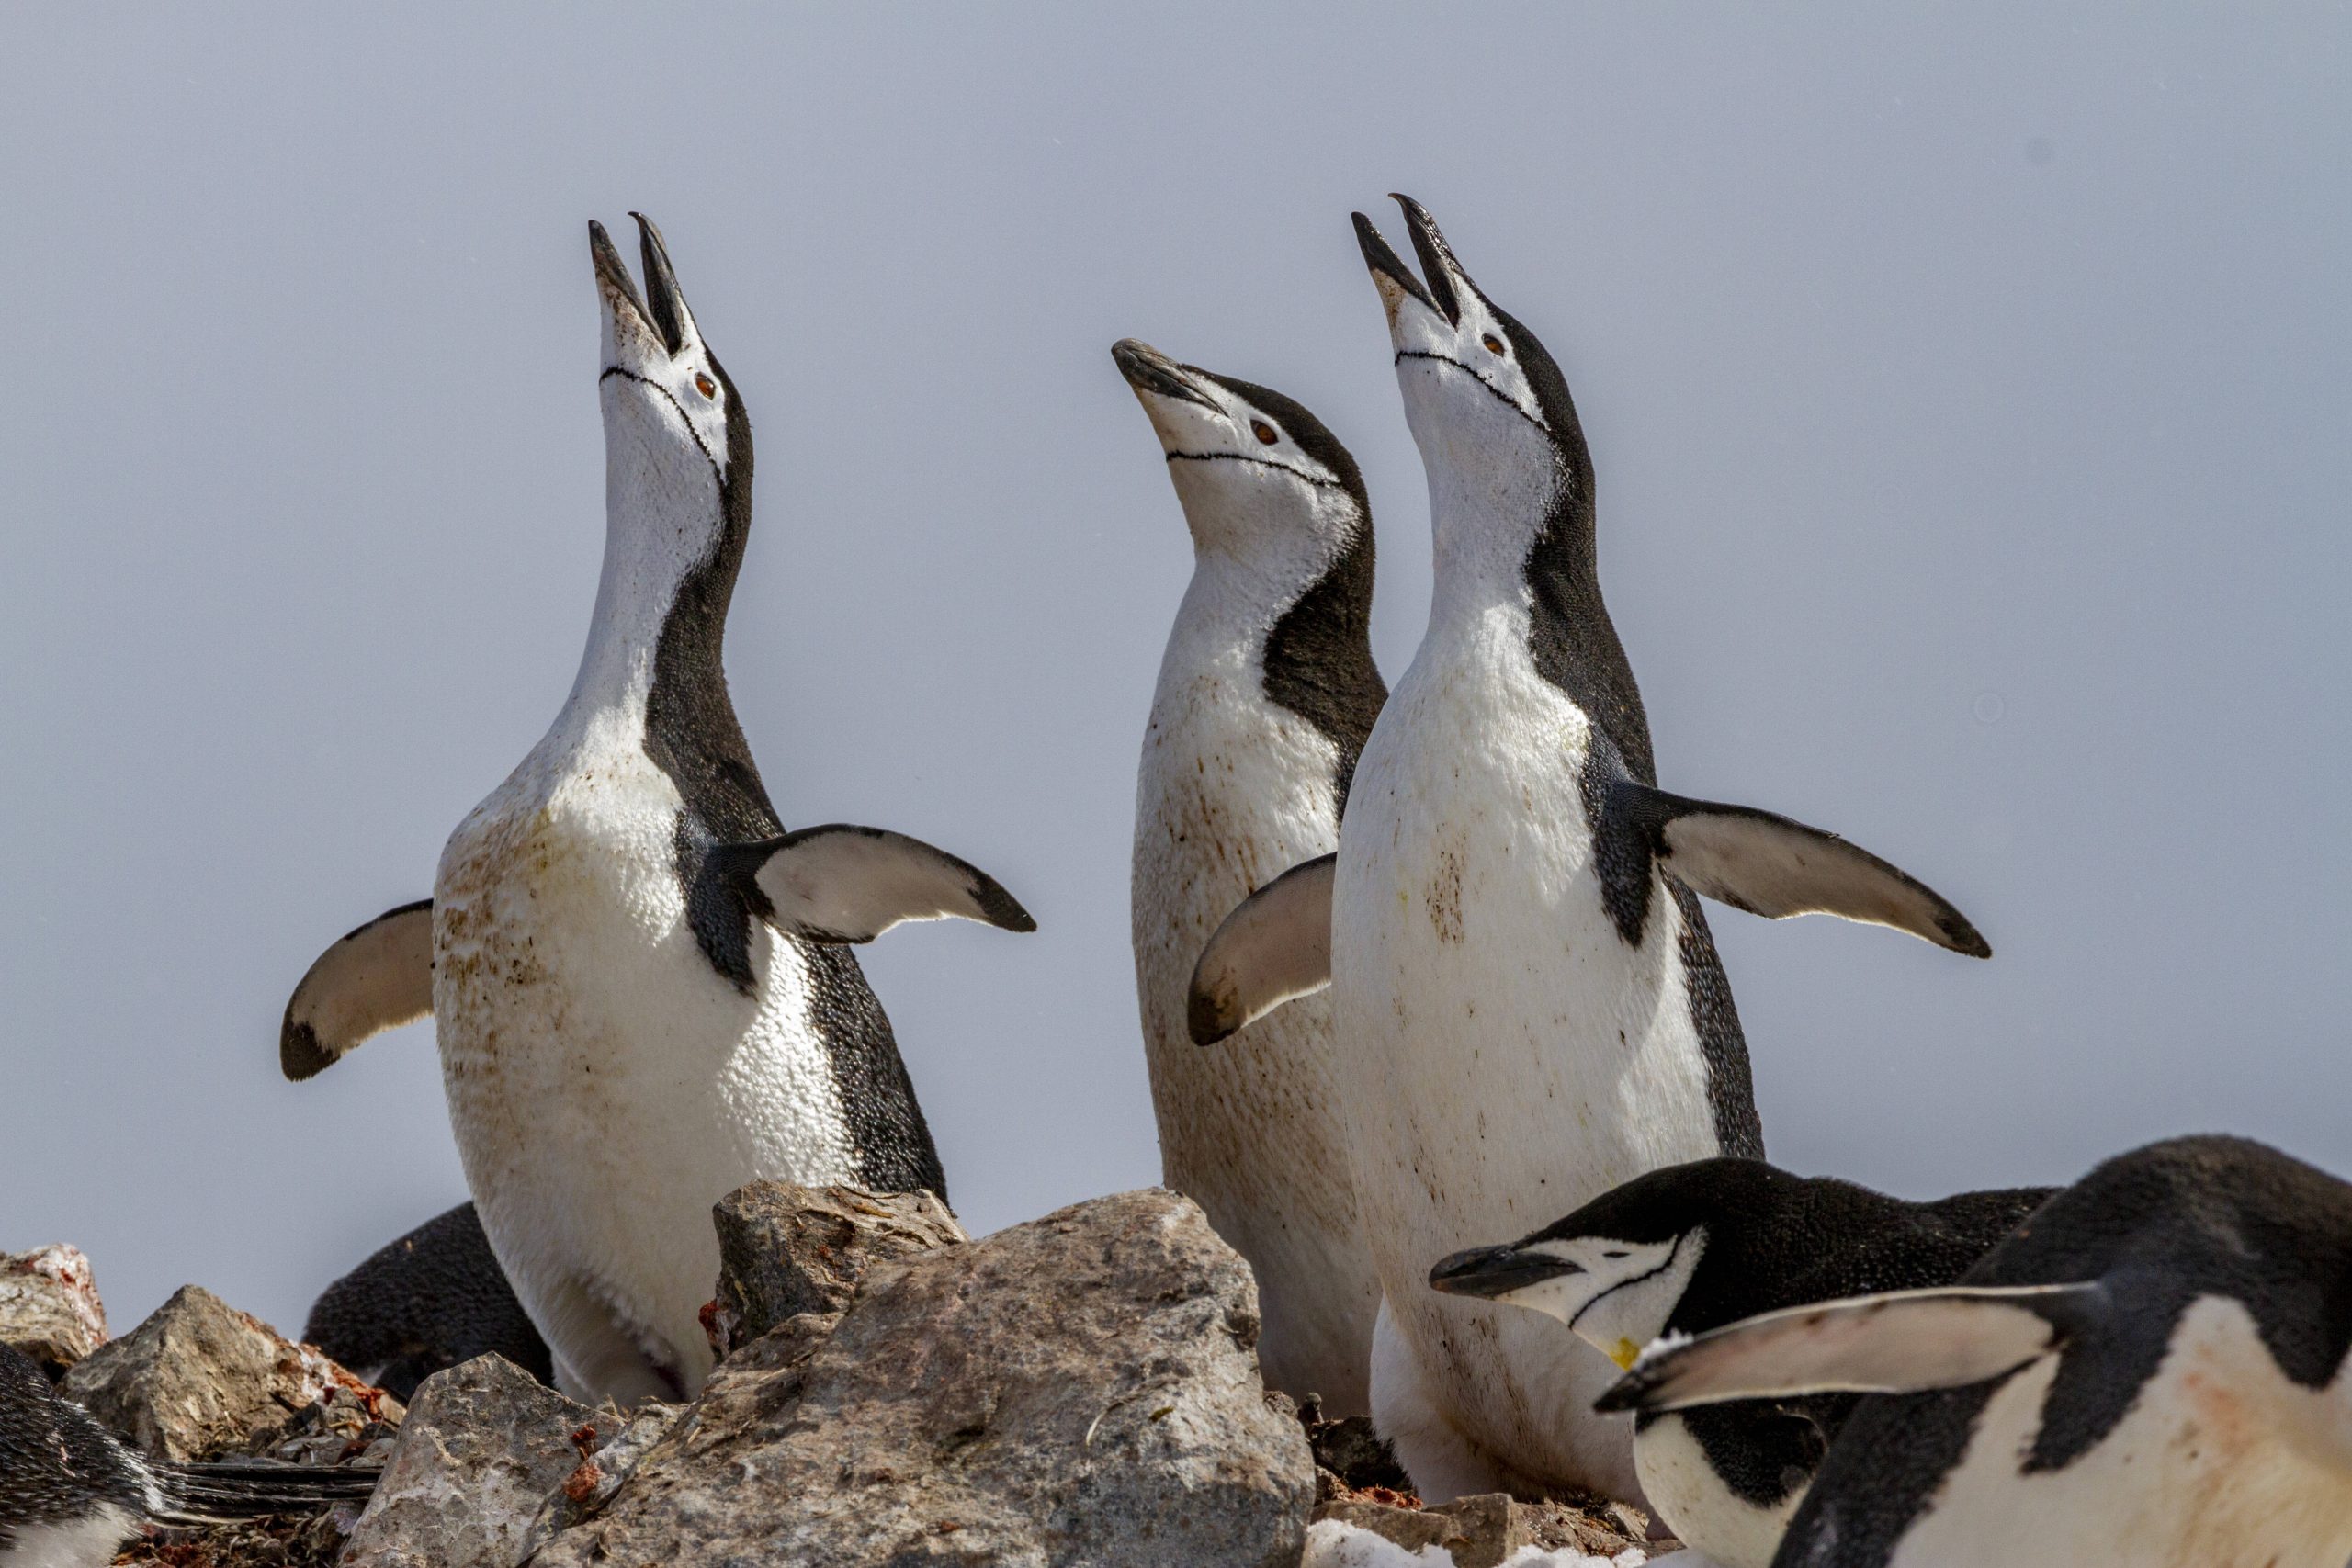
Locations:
(660, 396)
(1250, 490)
(1620, 1293)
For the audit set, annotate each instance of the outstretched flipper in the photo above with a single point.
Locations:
(845, 883)
(1900, 1342)
(378, 978)
(1275, 947)
(1770, 865)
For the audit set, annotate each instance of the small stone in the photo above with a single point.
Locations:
(1493, 1525)
(200, 1380)
(49, 1307)
(784, 1250)
(482, 1447)
(1409, 1530)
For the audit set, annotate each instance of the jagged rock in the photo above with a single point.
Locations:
(602, 1469)
(49, 1307)
(1082, 1389)
(784, 1250)
(199, 1380)
(482, 1447)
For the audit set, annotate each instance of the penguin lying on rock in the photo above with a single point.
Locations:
(2151, 1370)
(1266, 693)
(1694, 1247)
(71, 1493)
(641, 984)
(431, 1299)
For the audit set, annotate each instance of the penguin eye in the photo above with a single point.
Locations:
(704, 385)
(1616, 1255)
(1495, 345)
(1265, 433)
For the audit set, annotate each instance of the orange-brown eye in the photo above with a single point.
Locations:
(1265, 433)
(1494, 344)
(704, 385)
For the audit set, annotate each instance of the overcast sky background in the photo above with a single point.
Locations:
(1971, 394)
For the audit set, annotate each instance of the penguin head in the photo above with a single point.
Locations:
(669, 406)
(1260, 478)
(1487, 403)
(1616, 1269)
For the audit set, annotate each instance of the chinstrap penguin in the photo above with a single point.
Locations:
(71, 1493)
(2149, 1371)
(431, 1299)
(1532, 1007)
(640, 982)
(1692, 1248)
(1266, 693)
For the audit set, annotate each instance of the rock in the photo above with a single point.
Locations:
(482, 1447)
(49, 1307)
(1082, 1389)
(784, 1250)
(199, 1380)
(602, 1470)
(1409, 1529)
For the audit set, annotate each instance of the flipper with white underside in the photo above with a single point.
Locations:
(378, 978)
(1771, 865)
(1275, 947)
(846, 884)
(1900, 1342)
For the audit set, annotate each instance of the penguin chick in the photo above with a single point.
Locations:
(2151, 1370)
(71, 1493)
(1694, 1247)
(1266, 691)
(431, 1299)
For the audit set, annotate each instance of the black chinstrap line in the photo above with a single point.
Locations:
(1500, 396)
(612, 370)
(1255, 462)
(1672, 1253)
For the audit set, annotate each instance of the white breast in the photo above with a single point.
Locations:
(1234, 791)
(605, 1084)
(87, 1542)
(2222, 1463)
(1703, 1513)
(1511, 1057)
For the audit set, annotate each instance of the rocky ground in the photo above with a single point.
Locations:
(1079, 1390)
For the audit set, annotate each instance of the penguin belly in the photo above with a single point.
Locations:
(2205, 1470)
(606, 1086)
(1234, 792)
(1704, 1512)
(1512, 1057)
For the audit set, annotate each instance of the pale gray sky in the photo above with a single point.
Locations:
(1971, 392)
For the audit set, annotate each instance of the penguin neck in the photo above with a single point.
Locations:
(674, 533)
(1510, 542)
(1236, 597)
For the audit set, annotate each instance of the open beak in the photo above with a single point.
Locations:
(1387, 266)
(1489, 1272)
(1148, 370)
(1445, 277)
(658, 319)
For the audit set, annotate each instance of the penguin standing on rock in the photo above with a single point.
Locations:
(2151, 1371)
(71, 1493)
(1266, 693)
(639, 980)
(1694, 1247)
(1532, 1006)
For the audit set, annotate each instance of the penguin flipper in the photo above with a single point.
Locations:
(376, 977)
(1898, 1342)
(1273, 948)
(841, 882)
(1775, 866)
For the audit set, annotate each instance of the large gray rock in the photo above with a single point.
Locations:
(482, 1447)
(1082, 1389)
(49, 1307)
(199, 1380)
(784, 1250)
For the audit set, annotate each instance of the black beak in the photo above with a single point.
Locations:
(1632, 1392)
(667, 306)
(1148, 370)
(1491, 1271)
(613, 272)
(1437, 258)
(1386, 262)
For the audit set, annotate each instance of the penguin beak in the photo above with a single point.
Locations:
(1148, 370)
(1492, 1272)
(640, 329)
(1447, 278)
(1390, 274)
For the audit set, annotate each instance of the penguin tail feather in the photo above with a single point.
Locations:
(217, 1494)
